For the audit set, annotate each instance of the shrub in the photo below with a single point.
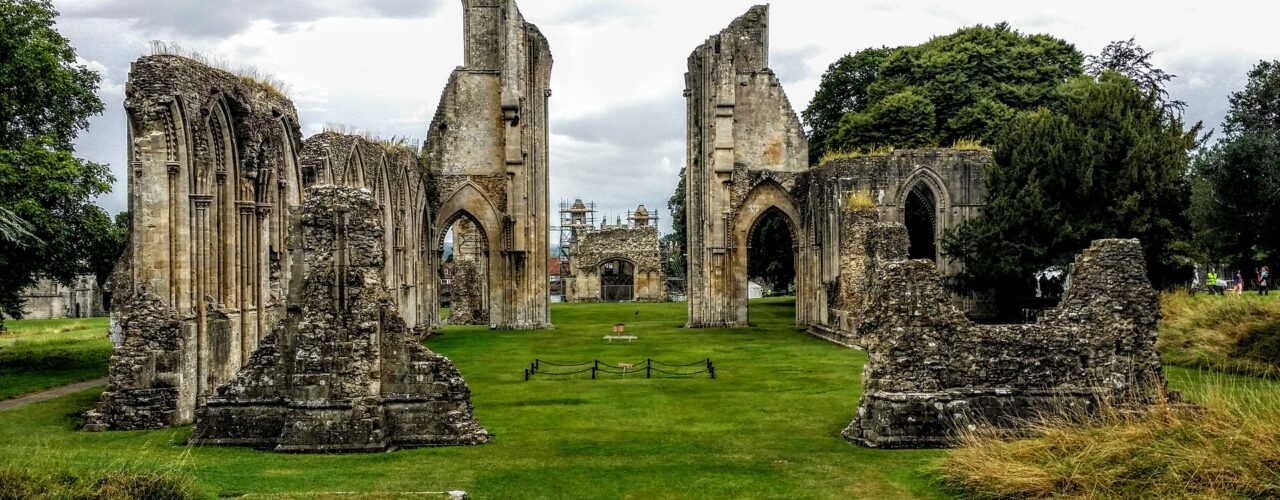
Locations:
(1237, 334)
(1230, 448)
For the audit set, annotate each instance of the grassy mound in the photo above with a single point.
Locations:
(1236, 334)
(1228, 448)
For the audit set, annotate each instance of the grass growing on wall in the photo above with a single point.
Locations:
(42, 354)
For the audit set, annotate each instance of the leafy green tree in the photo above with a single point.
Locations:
(844, 89)
(1236, 197)
(677, 265)
(1109, 161)
(975, 78)
(1257, 107)
(46, 99)
(902, 120)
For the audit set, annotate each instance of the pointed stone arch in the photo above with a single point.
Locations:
(923, 193)
(765, 198)
(470, 202)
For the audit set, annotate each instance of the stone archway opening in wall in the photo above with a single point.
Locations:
(771, 256)
(617, 280)
(464, 272)
(920, 215)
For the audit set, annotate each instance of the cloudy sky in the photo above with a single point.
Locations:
(617, 116)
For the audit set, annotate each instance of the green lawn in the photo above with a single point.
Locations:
(42, 354)
(767, 427)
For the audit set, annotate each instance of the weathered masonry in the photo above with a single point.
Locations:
(487, 153)
(931, 370)
(342, 372)
(213, 176)
(748, 160)
(393, 174)
(745, 148)
(617, 263)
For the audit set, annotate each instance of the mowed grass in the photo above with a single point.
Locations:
(767, 427)
(42, 354)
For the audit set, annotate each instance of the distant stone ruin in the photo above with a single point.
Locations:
(932, 371)
(616, 262)
(341, 372)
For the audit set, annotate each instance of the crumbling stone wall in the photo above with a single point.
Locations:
(342, 372)
(487, 154)
(393, 174)
(745, 147)
(637, 245)
(931, 370)
(212, 178)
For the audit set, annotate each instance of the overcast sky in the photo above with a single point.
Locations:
(617, 114)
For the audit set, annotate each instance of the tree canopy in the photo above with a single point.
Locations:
(972, 81)
(1236, 183)
(46, 99)
(1109, 160)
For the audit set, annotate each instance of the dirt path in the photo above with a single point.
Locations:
(50, 394)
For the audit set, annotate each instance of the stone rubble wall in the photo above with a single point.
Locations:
(638, 245)
(342, 372)
(931, 370)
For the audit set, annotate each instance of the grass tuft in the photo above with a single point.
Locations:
(969, 145)
(1227, 448)
(860, 153)
(861, 200)
(1235, 334)
(248, 74)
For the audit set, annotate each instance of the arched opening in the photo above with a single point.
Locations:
(771, 261)
(617, 281)
(920, 215)
(464, 272)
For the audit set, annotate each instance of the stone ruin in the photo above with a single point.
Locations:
(931, 370)
(617, 262)
(217, 171)
(341, 372)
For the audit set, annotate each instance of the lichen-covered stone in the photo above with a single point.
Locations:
(931, 370)
(342, 372)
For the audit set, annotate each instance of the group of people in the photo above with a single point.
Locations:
(1262, 278)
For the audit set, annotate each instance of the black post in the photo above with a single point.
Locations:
(537, 363)
(593, 371)
(597, 366)
(711, 369)
(648, 368)
(526, 375)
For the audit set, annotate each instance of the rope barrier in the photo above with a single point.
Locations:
(646, 367)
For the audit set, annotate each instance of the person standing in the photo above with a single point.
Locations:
(1264, 281)
(1211, 282)
(1239, 283)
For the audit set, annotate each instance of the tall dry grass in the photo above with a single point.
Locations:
(47, 476)
(1229, 447)
(1236, 334)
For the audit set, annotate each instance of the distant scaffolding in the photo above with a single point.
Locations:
(575, 219)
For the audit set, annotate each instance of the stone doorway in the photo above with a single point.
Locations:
(617, 281)
(466, 273)
(920, 215)
(771, 256)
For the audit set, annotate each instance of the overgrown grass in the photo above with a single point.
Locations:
(42, 354)
(247, 74)
(27, 482)
(1236, 334)
(859, 153)
(1228, 447)
(969, 145)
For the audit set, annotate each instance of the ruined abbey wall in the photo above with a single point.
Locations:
(394, 175)
(213, 177)
(638, 247)
(930, 370)
(487, 155)
(342, 372)
(745, 148)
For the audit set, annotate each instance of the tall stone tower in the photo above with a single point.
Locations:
(745, 148)
(487, 154)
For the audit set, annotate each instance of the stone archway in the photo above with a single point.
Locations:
(920, 215)
(468, 202)
(764, 199)
(617, 280)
